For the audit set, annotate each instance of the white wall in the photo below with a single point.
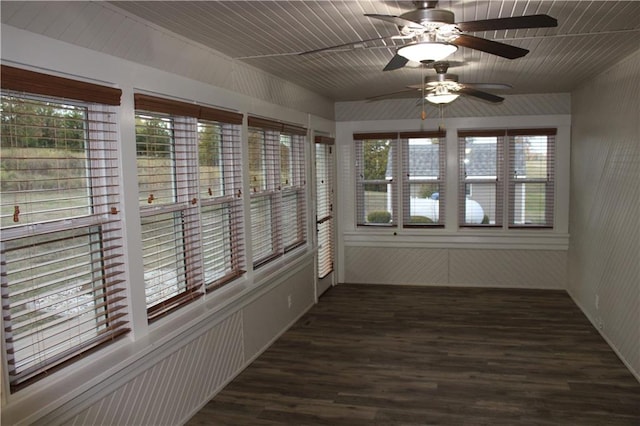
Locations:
(164, 372)
(604, 254)
(453, 256)
(102, 27)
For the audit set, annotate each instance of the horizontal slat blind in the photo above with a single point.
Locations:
(46, 167)
(66, 296)
(293, 183)
(481, 192)
(374, 136)
(266, 124)
(21, 80)
(324, 207)
(266, 195)
(220, 168)
(531, 177)
(278, 188)
(167, 178)
(523, 186)
(185, 109)
(325, 140)
(423, 178)
(62, 273)
(376, 181)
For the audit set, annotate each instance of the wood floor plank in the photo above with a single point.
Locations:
(411, 355)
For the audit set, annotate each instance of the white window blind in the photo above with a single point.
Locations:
(293, 184)
(423, 178)
(278, 188)
(62, 276)
(191, 200)
(376, 178)
(518, 191)
(531, 177)
(220, 168)
(324, 204)
(481, 178)
(166, 147)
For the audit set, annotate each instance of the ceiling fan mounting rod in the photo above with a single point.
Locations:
(425, 4)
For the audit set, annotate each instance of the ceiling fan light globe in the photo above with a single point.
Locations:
(427, 51)
(444, 98)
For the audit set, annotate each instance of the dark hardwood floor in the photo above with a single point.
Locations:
(403, 355)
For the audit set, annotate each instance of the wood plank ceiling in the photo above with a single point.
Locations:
(591, 36)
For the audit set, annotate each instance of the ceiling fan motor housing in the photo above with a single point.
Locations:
(431, 19)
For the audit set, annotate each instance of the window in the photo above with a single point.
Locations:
(190, 200)
(62, 262)
(423, 177)
(220, 165)
(324, 204)
(376, 179)
(523, 187)
(531, 177)
(278, 187)
(481, 178)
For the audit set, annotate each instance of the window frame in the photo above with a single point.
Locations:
(268, 227)
(407, 182)
(506, 180)
(324, 152)
(549, 181)
(188, 202)
(497, 181)
(175, 219)
(230, 199)
(361, 182)
(100, 226)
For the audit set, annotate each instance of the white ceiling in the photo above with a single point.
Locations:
(591, 36)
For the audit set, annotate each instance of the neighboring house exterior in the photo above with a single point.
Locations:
(480, 162)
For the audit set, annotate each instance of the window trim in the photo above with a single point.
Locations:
(505, 179)
(231, 199)
(360, 181)
(104, 218)
(189, 202)
(440, 180)
(324, 204)
(273, 191)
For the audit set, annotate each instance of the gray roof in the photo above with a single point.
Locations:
(423, 160)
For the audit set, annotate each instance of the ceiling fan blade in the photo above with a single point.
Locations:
(489, 46)
(406, 93)
(323, 49)
(401, 22)
(528, 21)
(488, 86)
(395, 63)
(480, 95)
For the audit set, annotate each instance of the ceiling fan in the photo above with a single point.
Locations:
(436, 35)
(444, 88)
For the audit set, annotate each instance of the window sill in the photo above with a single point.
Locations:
(520, 239)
